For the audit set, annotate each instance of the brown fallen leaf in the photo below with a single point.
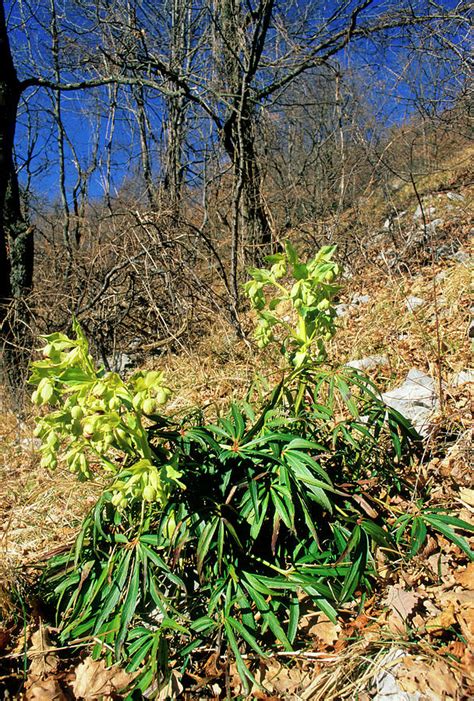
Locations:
(5, 638)
(467, 495)
(442, 621)
(45, 690)
(467, 662)
(401, 604)
(280, 679)
(466, 577)
(44, 660)
(465, 619)
(442, 681)
(94, 679)
(325, 630)
(172, 689)
(434, 680)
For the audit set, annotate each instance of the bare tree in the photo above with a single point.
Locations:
(184, 65)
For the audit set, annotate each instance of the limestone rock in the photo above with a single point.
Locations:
(415, 399)
(456, 196)
(462, 378)
(413, 302)
(429, 211)
(360, 299)
(460, 257)
(368, 363)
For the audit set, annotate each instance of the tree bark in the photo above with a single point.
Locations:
(253, 225)
(16, 239)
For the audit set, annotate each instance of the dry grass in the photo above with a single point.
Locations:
(39, 510)
(410, 337)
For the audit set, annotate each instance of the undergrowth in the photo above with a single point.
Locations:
(211, 535)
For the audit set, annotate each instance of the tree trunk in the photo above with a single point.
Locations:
(16, 239)
(254, 229)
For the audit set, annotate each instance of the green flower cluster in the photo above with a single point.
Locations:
(306, 291)
(96, 420)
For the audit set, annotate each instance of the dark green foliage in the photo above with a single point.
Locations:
(275, 508)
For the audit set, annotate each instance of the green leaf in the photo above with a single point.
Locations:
(451, 535)
(294, 617)
(116, 587)
(205, 542)
(244, 672)
(245, 634)
(281, 509)
(418, 535)
(357, 571)
(131, 602)
(139, 654)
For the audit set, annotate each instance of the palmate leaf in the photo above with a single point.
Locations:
(201, 566)
(294, 618)
(205, 541)
(284, 507)
(246, 635)
(304, 462)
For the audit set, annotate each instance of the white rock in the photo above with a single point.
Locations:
(385, 682)
(120, 362)
(413, 303)
(431, 226)
(429, 211)
(460, 257)
(368, 363)
(360, 299)
(462, 378)
(341, 309)
(415, 399)
(30, 443)
(455, 196)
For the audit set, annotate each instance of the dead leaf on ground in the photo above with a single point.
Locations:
(443, 620)
(45, 690)
(401, 604)
(465, 619)
(5, 638)
(94, 679)
(467, 662)
(436, 680)
(279, 678)
(466, 577)
(325, 630)
(44, 659)
(467, 495)
(173, 689)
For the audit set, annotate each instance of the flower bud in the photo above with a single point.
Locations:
(149, 493)
(88, 429)
(77, 412)
(162, 395)
(323, 305)
(149, 406)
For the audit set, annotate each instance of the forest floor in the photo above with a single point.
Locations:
(414, 638)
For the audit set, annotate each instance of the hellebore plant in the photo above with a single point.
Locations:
(208, 536)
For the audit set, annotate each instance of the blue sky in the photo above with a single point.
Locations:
(393, 104)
